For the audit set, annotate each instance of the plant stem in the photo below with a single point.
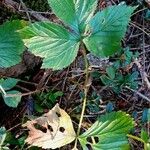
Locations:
(138, 139)
(135, 138)
(86, 88)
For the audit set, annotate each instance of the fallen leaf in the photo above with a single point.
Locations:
(52, 130)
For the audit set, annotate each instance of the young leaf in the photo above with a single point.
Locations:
(111, 72)
(75, 13)
(65, 10)
(9, 83)
(111, 130)
(55, 130)
(84, 11)
(144, 136)
(11, 45)
(2, 136)
(106, 80)
(146, 115)
(55, 44)
(12, 101)
(107, 29)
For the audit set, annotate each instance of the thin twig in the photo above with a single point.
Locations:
(138, 93)
(23, 94)
(139, 11)
(13, 5)
(26, 9)
(143, 74)
(133, 24)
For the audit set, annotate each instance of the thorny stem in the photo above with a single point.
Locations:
(86, 88)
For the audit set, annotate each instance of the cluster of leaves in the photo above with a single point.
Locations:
(118, 75)
(58, 45)
(7, 139)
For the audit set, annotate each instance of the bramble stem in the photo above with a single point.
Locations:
(86, 88)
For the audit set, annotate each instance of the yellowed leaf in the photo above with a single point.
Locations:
(52, 130)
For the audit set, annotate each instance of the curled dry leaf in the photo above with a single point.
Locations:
(52, 130)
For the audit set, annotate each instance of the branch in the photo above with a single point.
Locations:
(143, 74)
(14, 6)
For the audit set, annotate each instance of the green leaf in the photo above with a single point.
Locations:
(106, 80)
(107, 29)
(74, 13)
(2, 136)
(52, 42)
(65, 10)
(144, 136)
(11, 45)
(9, 83)
(111, 72)
(12, 101)
(111, 130)
(84, 12)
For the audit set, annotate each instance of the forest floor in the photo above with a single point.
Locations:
(45, 88)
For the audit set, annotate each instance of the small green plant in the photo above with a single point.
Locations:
(46, 100)
(3, 135)
(100, 33)
(82, 28)
(116, 75)
(11, 97)
(93, 103)
(146, 139)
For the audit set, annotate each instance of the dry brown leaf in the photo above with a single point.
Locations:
(52, 130)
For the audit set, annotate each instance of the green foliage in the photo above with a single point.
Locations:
(13, 100)
(101, 34)
(11, 45)
(52, 42)
(9, 139)
(3, 135)
(144, 136)
(46, 100)
(80, 12)
(58, 46)
(146, 115)
(11, 97)
(116, 77)
(121, 81)
(146, 139)
(111, 72)
(111, 130)
(107, 29)
(147, 15)
(93, 103)
(8, 83)
(125, 58)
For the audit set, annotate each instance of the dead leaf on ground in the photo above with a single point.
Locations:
(52, 130)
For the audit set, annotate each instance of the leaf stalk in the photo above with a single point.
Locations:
(87, 84)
